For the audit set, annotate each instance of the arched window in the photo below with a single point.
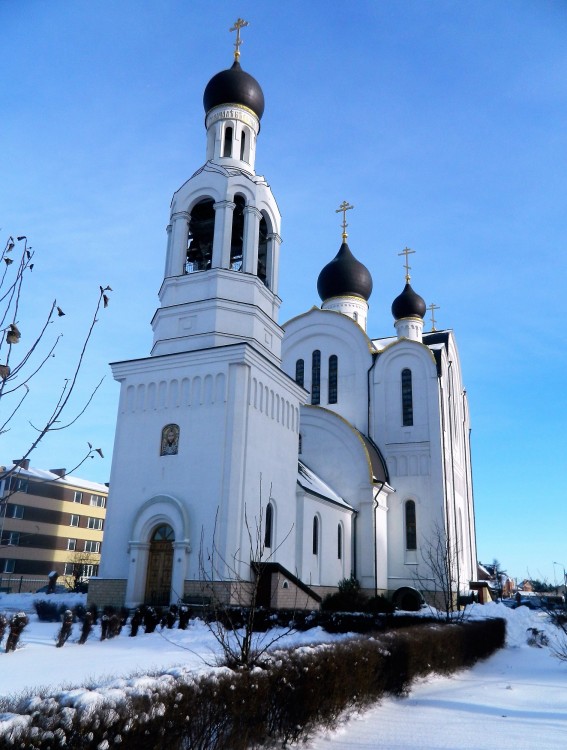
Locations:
(340, 542)
(242, 145)
(262, 269)
(227, 148)
(407, 398)
(333, 378)
(411, 528)
(269, 525)
(300, 372)
(201, 233)
(315, 535)
(316, 377)
(237, 238)
(163, 533)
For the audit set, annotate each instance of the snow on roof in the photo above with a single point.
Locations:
(49, 476)
(312, 483)
(382, 343)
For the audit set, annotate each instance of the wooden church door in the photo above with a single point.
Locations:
(160, 566)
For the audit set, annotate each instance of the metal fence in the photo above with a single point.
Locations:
(13, 584)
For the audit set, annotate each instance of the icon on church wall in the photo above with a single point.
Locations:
(170, 440)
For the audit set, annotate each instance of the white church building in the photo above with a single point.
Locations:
(338, 452)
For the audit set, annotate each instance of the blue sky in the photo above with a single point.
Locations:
(443, 123)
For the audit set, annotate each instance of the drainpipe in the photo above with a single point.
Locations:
(376, 505)
(354, 542)
(455, 525)
(470, 482)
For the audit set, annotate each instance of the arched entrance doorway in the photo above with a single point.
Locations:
(160, 565)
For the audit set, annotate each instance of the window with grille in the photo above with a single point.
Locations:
(407, 399)
(300, 372)
(333, 378)
(411, 527)
(316, 377)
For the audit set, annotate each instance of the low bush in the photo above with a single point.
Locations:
(48, 611)
(296, 692)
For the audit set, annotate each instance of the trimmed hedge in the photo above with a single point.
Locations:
(296, 693)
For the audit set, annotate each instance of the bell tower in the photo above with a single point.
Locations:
(208, 424)
(221, 273)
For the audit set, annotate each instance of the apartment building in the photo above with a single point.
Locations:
(49, 522)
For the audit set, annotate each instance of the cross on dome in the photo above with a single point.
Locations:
(406, 251)
(240, 23)
(432, 309)
(344, 207)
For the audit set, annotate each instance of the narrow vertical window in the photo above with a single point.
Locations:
(242, 145)
(262, 268)
(316, 377)
(269, 526)
(339, 542)
(315, 535)
(407, 399)
(300, 444)
(411, 529)
(237, 237)
(333, 378)
(227, 148)
(300, 372)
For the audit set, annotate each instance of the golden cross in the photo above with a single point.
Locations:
(240, 23)
(433, 307)
(406, 251)
(344, 207)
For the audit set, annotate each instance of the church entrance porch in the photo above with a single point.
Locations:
(160, 566)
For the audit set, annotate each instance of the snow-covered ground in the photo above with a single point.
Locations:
(516, 699)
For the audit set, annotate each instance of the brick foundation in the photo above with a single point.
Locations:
(107, 591)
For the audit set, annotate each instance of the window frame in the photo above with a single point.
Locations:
(17, 511)
(407, 397)
(97, 501)
(316, 377)
(94, 523)
(300, 372)
(269, 526)
(410, 525)
(333, 379)
(75, 517)
(315, 535)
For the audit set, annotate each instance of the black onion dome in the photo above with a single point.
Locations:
(344, 276)
(234, 86)
(408, 304)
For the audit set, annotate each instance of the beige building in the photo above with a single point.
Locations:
(49, 522)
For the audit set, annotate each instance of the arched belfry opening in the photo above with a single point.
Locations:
(201, 234)
(262, 271)
(160, 566)
(237, 237)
